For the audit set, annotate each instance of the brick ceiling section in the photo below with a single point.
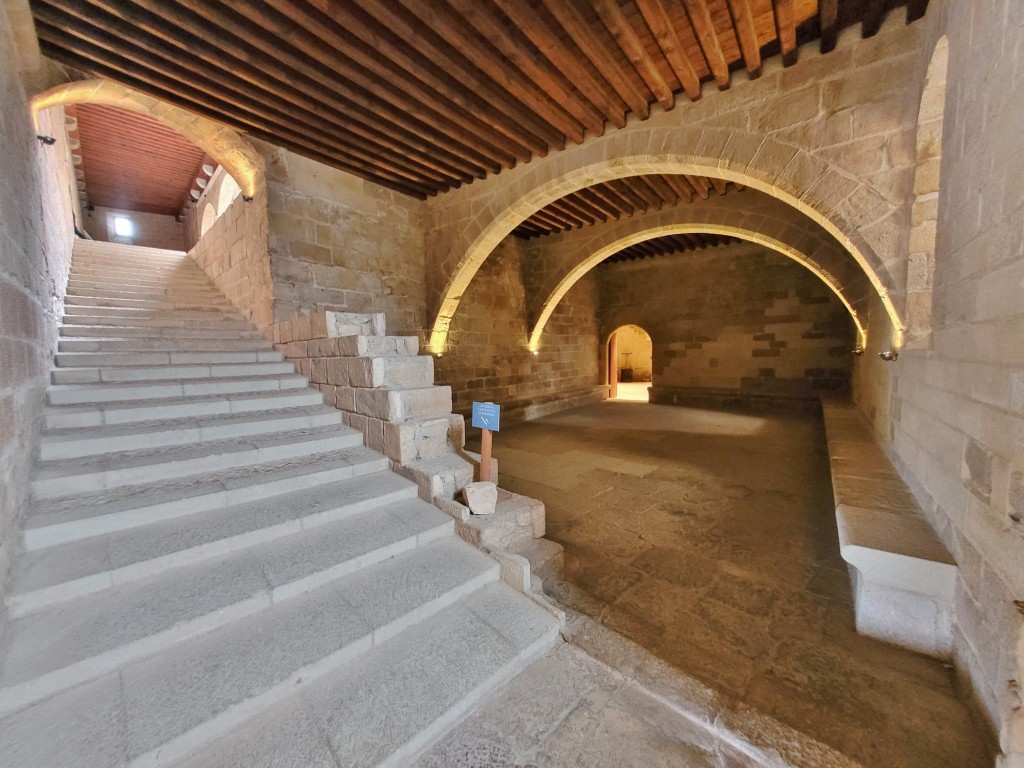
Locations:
(424, 95)
(133, 162)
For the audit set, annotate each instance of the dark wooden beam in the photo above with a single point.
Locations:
(639, 189)
(662, 188)
(570, 15)
(679, 186)
(699, 185)
(785, 23)
(746, 33)
(874, 14)
(608, 193)
(704, 29)
(610, 211)
(657, 20)
(718, 184)
(647, 183)
(916, 9)
(611, 15)
(584, 205)
(828, 21)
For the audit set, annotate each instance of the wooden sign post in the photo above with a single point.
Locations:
(487, 418)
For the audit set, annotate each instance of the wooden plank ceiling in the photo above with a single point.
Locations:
(425, 95)
(663, 246)
(133, 162)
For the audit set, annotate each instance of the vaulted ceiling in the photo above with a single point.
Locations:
(425, 95)
(663, 246)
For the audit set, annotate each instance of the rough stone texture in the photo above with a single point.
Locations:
(481, 498)
(152, 230)
(487, 358)
(35, 255)
(951, 414)
(737, 318)
(708, 538)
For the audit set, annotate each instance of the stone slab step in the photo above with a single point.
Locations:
(66, 645)
(139, 358)
(399, 698)
(75, 442)
(94, 284)
(216, 321)
(121, 267)
(116, 276)
(158, 389)
(128, 301)
(58, 521)
(193, 310)
(156, 333)
(58, 574)
(114, 344)
(129, 373)
(183, 406)
(121, 469)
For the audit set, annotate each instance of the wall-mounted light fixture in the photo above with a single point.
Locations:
(247, 198)
(534, 352)
(48, 141)
(889, 355)
(858, 351)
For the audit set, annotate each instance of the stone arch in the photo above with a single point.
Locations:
(209, 216)
(838, 202)
(925, 209)
(758, 218)
(227, 193)
(227, 147)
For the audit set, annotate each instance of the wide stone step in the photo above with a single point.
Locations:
(68, 571)
(291, 392)
(216, 321)
(198, 311)
(135, 359)
(90, 286)
(129, 373)
(399, 698)
(122, 469)
(73, 443)
(58, 521)
(148, 300)
(68, 644)
(183, 275)
(114, 344)
(71, 394)
(106, 331)
(174, 703)
(127, 267)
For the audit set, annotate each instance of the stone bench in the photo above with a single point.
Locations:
(904, 578)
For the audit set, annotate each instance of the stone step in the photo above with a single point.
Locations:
(64, 572)
(139, 358)
(396, 404)
(126, 468)
(216, 321)
(119, 274)
(58, 521)
(197, 311)
(128, 267)
(121, 374)
(146, 300)
(115, 344)
(75, 442)
(99, 633)
(289, 392)
(121, 331)
(173, 703)
(95, 284)
(399, 698)
(400, 372)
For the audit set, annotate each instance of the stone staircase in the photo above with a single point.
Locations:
(216, 569)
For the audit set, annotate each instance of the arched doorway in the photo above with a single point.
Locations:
(630, 363)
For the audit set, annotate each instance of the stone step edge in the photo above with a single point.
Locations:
(26, 693)
(45, 536)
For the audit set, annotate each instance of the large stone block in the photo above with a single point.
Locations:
(354, 324)
(395, 372)
(400, 404)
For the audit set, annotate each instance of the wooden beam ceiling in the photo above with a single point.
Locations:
(423, 96)
(664, 246)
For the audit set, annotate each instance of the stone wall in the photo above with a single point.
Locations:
(952, 414)
(487, 358)
(733, 318)
(152, 230)
(36, 235)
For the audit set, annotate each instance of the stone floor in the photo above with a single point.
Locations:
(708, 538)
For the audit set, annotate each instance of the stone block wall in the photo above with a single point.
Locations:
(737, 318)
(152, 230)
(36, 235)
(487, 358)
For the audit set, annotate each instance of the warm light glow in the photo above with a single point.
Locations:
(123, 226)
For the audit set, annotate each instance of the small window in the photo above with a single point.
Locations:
(123, 227)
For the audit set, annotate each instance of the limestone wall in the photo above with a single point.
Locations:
(952, 414)
(36, 204)
(487, 356)
(736, 318)
(152, 230)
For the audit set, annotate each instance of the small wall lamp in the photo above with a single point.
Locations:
(889, 355)
(858, 351)
(47, 140)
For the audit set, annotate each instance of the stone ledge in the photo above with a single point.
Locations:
(699, 397)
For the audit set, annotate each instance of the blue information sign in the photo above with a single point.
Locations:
(486, 416)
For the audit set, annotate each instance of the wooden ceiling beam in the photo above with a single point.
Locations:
(600, 203)
(718, 184)
(580, 203)
(623, 189)
(173, 76)
(518, 49)
(699, 185)
(874, 14)
(828, 22)
(284, 103)
(460, 35)
(661, 188)
(610, 13)
(392, 20)
(563, 210)
(679, 186)
(641, 188)
(538, 27)
(704, 28)
(62, 54)
(570, 14)
(916, 9)
(548, 221)
(609, 195)
(785, 24)
(657, 20)
(746, 33)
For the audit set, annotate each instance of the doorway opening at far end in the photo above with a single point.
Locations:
(630, 364)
